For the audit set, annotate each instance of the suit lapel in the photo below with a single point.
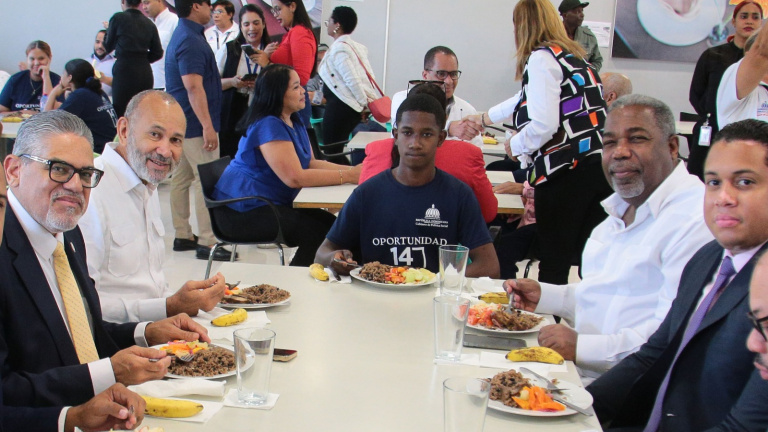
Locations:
(36, 285)
(693, 289)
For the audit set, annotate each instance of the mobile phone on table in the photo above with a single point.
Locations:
(248, 49)
(492, 342)
(284, 355)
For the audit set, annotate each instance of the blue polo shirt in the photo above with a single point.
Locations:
(189, 53)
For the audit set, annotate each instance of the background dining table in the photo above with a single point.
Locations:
(365, 363)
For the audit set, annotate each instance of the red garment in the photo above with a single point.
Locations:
(460, 159)
(297, 49)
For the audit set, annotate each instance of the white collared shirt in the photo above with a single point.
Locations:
(166, 23)
(739, 261)
(105, 67)
(44, 243)
(123, 233)
(217, 38)
(631, 273)
(456, 110)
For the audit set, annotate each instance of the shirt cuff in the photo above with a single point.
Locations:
(102, 375)
(152, 309)
(591, 353)
(551, 301)
(63, 419)
(138, 334)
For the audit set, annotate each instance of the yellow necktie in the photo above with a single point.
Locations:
(73, 305)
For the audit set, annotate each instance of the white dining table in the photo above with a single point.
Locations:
(365, 363)
(334, 197)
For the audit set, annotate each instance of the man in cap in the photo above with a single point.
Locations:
(572, 12)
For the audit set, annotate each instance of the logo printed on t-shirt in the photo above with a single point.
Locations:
(762, 110)
(432, 219)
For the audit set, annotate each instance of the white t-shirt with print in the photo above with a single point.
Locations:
(730, 109)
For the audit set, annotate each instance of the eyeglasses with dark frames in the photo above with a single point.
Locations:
(443, 74)
(62, 172)
(414, 83)
(757, 324)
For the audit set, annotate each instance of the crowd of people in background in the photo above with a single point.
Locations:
(671, 302)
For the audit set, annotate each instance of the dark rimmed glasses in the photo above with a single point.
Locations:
(414, 83)
(62, 172)
(443, 74)
(757, 324)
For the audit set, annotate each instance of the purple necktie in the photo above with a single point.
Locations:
(725, 273)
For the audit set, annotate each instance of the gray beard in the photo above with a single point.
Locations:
(138, 162)
(628, 190)
(57, 222)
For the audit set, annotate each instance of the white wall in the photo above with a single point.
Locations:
(479, 32)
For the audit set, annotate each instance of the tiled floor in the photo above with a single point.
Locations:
(183, 266)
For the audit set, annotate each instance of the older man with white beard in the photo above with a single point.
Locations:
(633, 260)
(122, 227)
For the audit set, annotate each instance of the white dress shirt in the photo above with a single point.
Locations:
(105, 67)
(166, 23)
(44, 243)
(456, 110)
(543, 98)
(123, 233)
(630, 274)
(217, 38)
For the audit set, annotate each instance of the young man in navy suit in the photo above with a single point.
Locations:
(55, 348)
(695, 373)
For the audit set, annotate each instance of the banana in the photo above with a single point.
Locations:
(535, 354)
(317, 271)
(171, 408)
(496, 297)
(235, 317)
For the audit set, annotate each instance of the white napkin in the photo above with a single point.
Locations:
(230, 400)
(255, 319)
(486, 285)
(331, 279)
(179, 387)
(209, 410)
(466, 359)
(499, 361)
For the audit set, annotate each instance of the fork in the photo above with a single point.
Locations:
(349, 264)
(186, 358)
(550, 387)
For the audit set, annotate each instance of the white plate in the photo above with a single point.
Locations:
(573, 394)
(253, 306)
(356, 274)
(219, 376)
(497, 331)
(668, 27)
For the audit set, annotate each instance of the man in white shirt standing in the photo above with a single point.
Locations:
(166, 22)
(743, 90)
(122, 227)
(224, 28)
(103, 61)
(633, 260)
(441, 64)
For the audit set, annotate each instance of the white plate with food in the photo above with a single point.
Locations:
(252, 296)
(571, 393)
(427, 277)
(493, 318)
(215, 361)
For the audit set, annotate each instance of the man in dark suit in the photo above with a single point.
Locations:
(55, 349)
(695, 373)
(108, 409)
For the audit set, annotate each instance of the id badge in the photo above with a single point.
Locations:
(705, 135)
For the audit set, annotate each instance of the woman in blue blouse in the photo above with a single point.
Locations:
(274, 160)
(87, 100)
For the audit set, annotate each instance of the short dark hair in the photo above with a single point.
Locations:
(268, 94)
(745, 130)
(184, 7)
(433, 90)
(429, 57)
(423, 102)
(102, 31)
(265, 39)
(346, 17)
(228, 6)
(132, 3)
(83, 75)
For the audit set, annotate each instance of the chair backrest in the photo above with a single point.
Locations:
(210, 173)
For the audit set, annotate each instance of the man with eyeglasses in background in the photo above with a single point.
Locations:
(758, 315)
(695, 373)
(441, 64)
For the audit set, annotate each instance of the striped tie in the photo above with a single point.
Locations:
(73, 305)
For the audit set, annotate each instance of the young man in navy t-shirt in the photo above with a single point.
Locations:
(403, 215)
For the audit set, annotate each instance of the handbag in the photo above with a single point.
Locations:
(381, 108)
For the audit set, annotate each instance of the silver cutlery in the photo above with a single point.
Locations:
(553, 388)
(348, 264)
(576, 408)
(335, 274)
(550, 387)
